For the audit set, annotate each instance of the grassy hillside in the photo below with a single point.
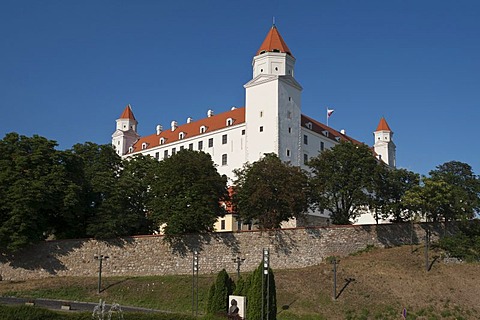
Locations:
(376, 284)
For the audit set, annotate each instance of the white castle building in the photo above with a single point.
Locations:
(270, 122)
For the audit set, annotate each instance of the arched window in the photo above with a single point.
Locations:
(203, 129)
(144, 146)
(229, 122)
(162, 140)
(181, 135)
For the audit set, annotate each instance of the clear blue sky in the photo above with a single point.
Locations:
(68, 68)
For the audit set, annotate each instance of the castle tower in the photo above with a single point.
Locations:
(125, 134)
(384, 146)
(273, 102)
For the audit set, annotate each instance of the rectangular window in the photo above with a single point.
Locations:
(200, 145)
(157, 155)
(181, 148)
(224, 139)
(243, 132)
(289, 130)
(222, 224)
(224, 159)
(190, 146)
(288, 153)
(305, 158)
(174, 150)
(165, 154)
(305, 139)
(210, 142)
(261, 129)
(322, 146)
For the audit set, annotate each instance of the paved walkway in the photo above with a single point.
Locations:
(74, 305)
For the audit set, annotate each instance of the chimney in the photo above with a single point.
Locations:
(159, 129)
(209, 113)
(189, 119)
(343, 132)
(174, 125)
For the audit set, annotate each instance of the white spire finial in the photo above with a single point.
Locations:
(273, 21)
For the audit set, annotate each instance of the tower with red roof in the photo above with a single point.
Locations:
(125, 134)
(384, 146)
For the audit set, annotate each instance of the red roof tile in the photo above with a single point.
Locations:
(383, 125)
(127, 113)
(321, 128)
(274, 43)
(192, 129)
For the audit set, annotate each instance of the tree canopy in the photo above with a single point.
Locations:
(389, 186)
(33, 187)
(452, 192)
(342, 180)
(269, 191)
(188, 192)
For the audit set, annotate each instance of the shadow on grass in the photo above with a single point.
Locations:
(347, 282)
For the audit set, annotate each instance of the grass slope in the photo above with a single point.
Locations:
(381, 282)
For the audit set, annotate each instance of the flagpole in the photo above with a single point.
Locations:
(327, 116)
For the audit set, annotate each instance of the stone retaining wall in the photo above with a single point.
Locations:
(150, 255)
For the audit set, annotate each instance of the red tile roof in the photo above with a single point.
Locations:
(383, 125)
(320, 128)
(127, 113)
(274, 43)
(192, 129)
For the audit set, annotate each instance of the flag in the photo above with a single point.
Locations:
(329, 112)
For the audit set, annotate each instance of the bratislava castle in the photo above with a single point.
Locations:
(270, 122)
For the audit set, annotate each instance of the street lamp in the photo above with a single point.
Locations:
(100, 259)
(239, 262)
(195, 283)
(266, 266)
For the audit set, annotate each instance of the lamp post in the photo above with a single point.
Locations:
(335, 263)
(195, 283)
(100, 259)
(266, 266)
(239, 262)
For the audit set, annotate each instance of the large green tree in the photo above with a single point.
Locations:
(450, 193)
(269, 191)
(125, 211)
(342, 180)
(33, 186)
(389, 186)
(465, 184)
(188, 192)
(99, 169)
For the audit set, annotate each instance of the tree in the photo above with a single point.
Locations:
(270, 191)
(100, 168)
(389, 186)
(342, 180)
(432, 200)
(465, 184)
(254, 295)
(188, 192)
(125, 211)
(33, 185)
(218, 295)
(450, 193)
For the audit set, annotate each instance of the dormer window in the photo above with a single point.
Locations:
(130, 149)
(337, 138)
(144, 146)
(229, 122)
(308, 125)
(162, 140)
(181, 135)
(325, 133)
(203, 129)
